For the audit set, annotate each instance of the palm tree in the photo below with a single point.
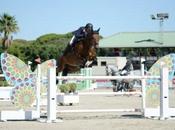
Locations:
(8, 25)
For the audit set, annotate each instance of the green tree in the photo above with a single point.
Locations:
(8, 25)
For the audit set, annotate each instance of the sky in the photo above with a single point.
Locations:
(39, 17)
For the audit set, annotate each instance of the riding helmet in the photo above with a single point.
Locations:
(89, 26)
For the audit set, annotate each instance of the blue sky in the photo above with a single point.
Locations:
(38, 17)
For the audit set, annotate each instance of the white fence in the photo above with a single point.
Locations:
(5, 92)
(163, 112)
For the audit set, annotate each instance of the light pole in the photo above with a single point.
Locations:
(161, 17)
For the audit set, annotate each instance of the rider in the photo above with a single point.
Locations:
(128, 67)
(81, 33)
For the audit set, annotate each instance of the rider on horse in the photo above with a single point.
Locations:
(128, 67)
(80, 34)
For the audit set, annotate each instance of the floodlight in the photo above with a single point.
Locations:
(162, 15)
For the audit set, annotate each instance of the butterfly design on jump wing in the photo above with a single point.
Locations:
(44, 72)
(153, 85)
(18, 74)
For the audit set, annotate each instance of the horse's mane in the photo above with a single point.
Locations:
(96, 32)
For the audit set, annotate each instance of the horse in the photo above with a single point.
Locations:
(120, 84)
(74, 59)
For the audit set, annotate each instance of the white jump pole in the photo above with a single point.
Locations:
(60, 82)
(143, 82)
(164, 97)
(51, 97)
(38, 88)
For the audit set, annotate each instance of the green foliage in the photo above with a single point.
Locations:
(64, 88)
(104, 52)
(54, 38)
(49, 46)
(8, 25)
(68, 88)
(20, 41)
(136, 52)
(3, 83)
(73, 87)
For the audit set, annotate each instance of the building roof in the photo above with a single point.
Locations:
(139, 39)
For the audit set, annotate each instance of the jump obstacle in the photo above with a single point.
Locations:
(23, 114)
(163, 113)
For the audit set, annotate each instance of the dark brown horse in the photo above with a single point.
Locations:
(74, 59)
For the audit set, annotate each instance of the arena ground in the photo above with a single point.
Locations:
(95, 121)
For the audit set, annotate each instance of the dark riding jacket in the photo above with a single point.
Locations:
(127, 66)
(80, 33)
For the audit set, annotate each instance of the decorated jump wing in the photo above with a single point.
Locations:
(44, 71)
(153, 85)
(18, 74)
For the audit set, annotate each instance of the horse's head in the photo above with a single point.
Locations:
(93, 45)
(96, 38)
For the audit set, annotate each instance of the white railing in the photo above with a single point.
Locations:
(163, 103)
(1, 75)
(105, 77)
(51, 94)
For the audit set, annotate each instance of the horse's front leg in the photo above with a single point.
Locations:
(91, 63)
(83, 62)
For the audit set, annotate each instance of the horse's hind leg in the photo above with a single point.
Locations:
(61, 65)
(65, 72)
(60, 68)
